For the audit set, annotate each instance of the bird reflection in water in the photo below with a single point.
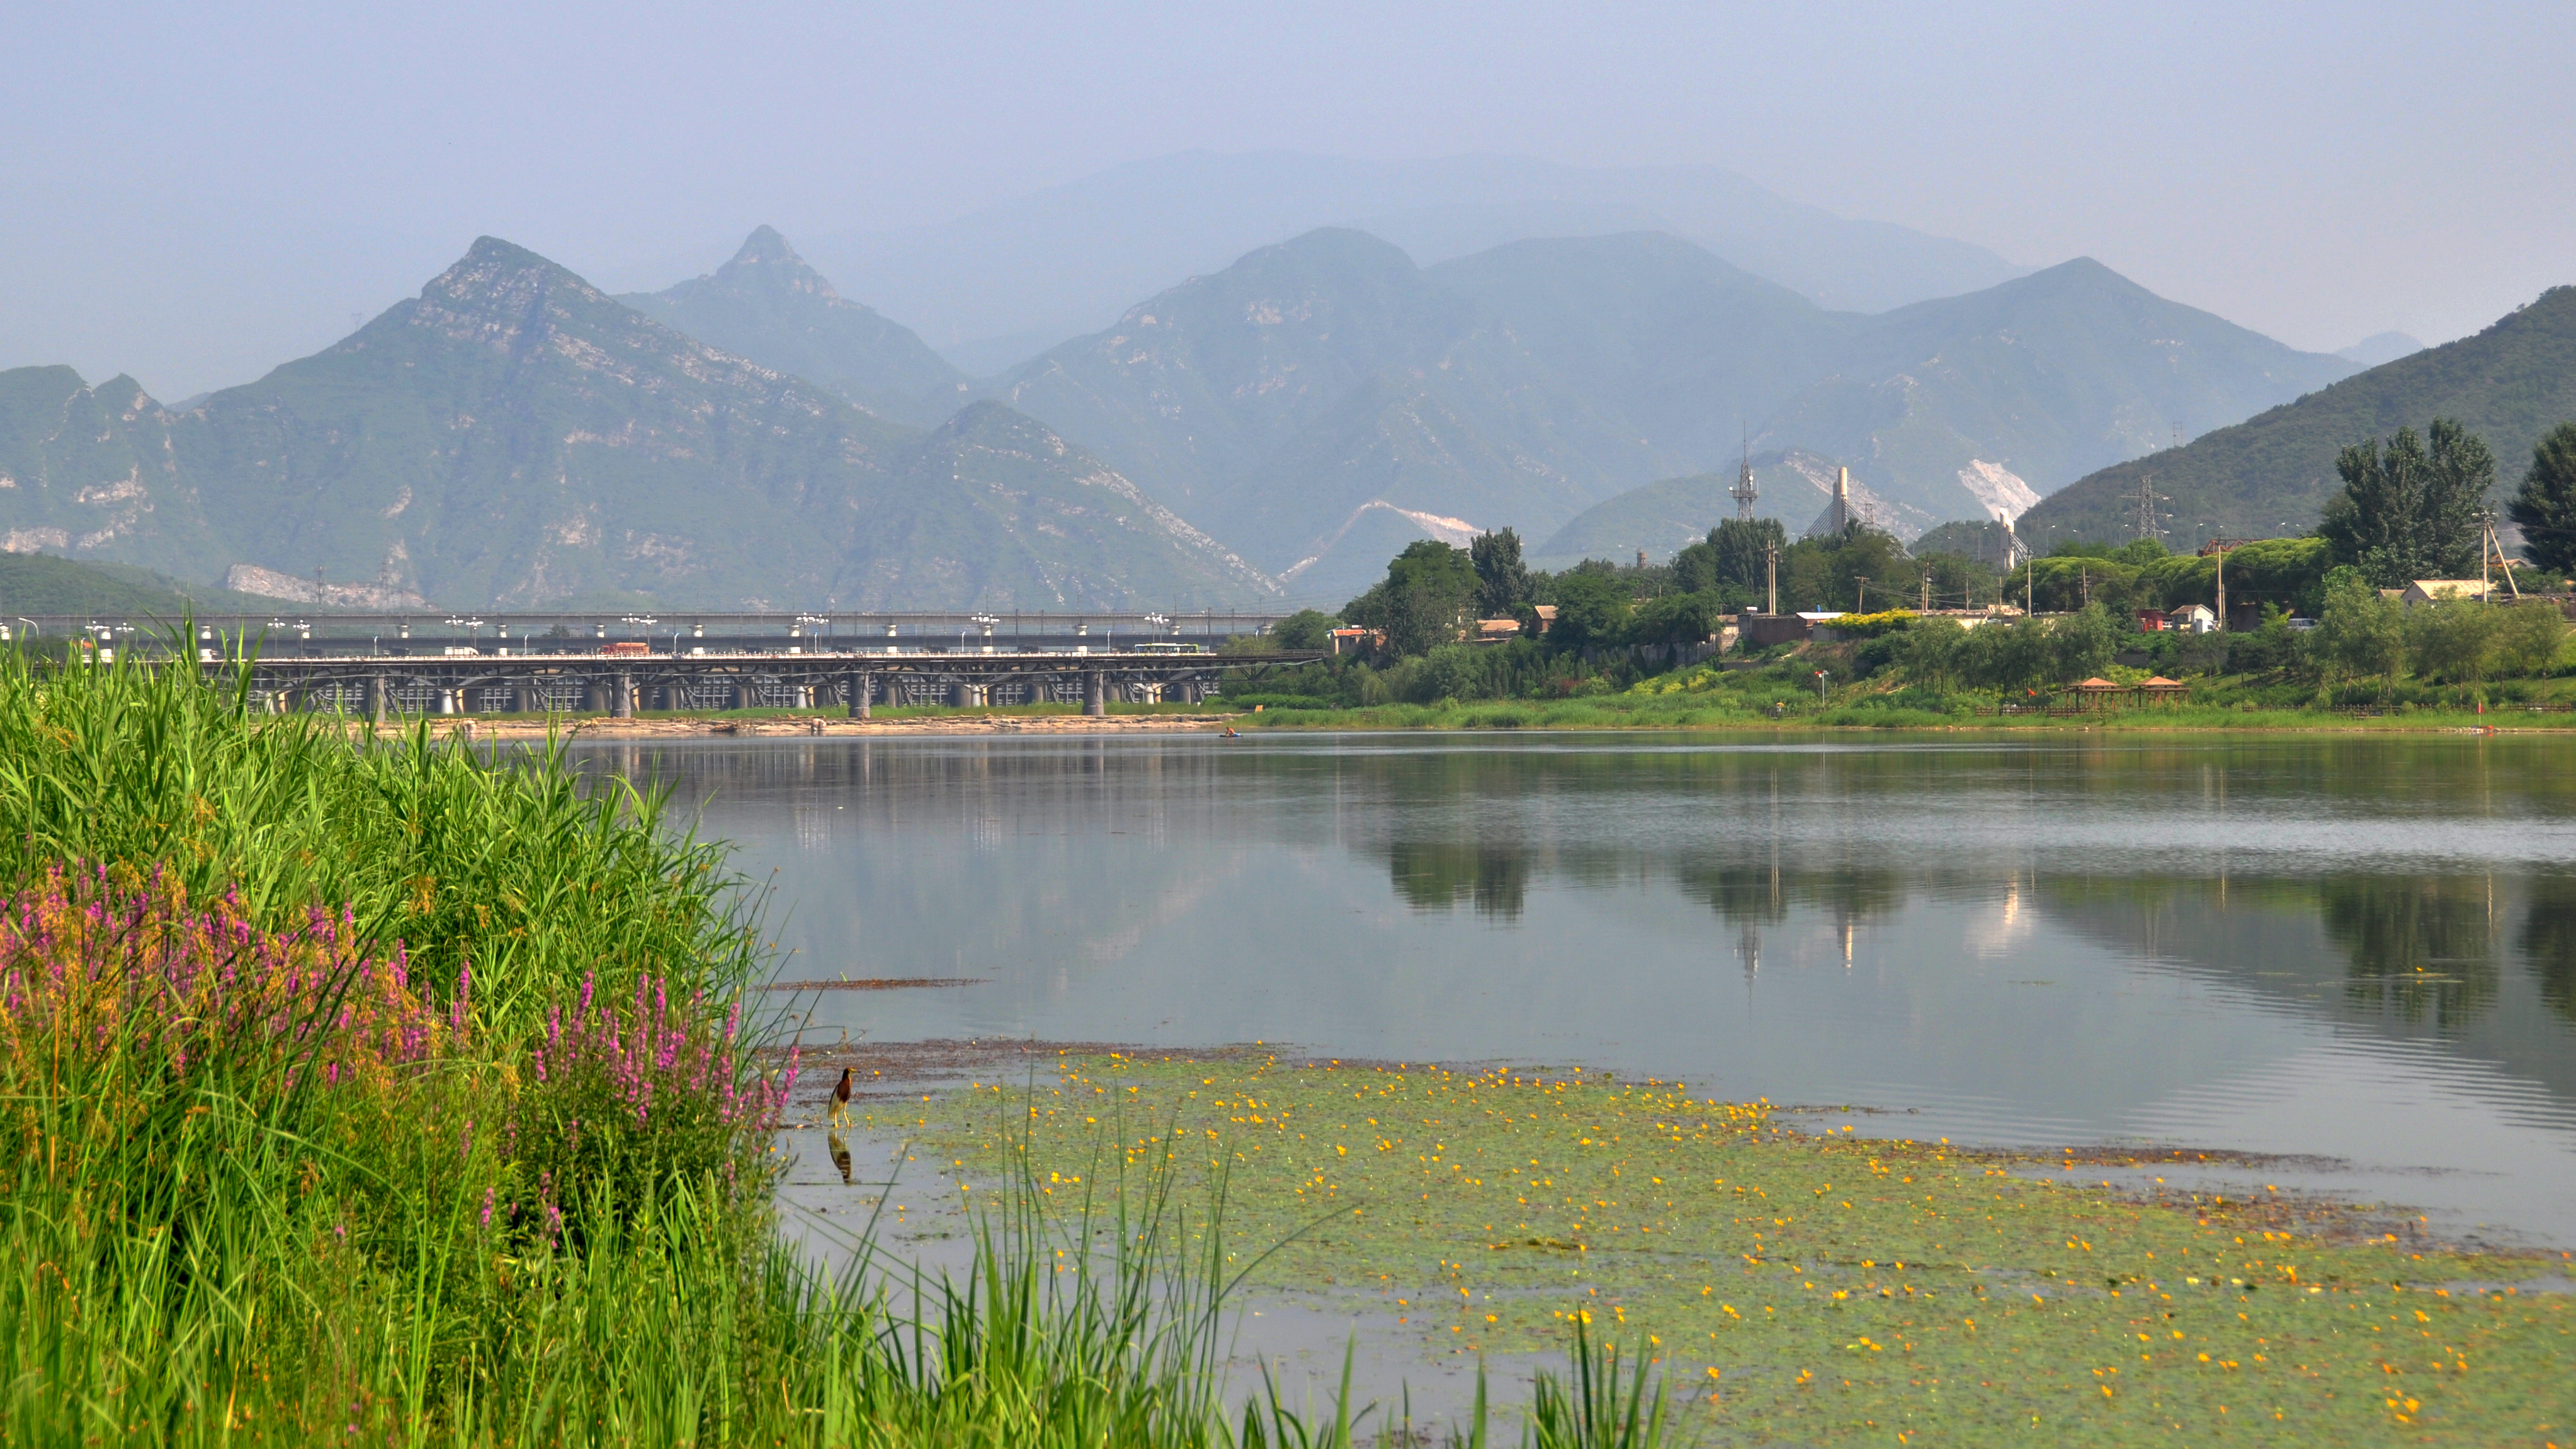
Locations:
(840, 1153)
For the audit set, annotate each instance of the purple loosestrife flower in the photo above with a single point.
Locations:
(92, 954)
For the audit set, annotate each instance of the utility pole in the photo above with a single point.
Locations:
(1927, 588)
(2491, 551)
(1860, 601)
(2220, 546)
(2084, 580)
(1771, 578)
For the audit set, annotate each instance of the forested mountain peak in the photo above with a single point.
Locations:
(2271, 473)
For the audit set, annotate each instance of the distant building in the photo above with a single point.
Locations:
(2425, 591)
(2152, 621)
(1358, 641)
(1495, 631)
(2192, 619)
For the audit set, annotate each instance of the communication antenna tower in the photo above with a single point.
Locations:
(2179, 439)
(1744, 493)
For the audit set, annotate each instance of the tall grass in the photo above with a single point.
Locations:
(536, 875)
(381, 1093)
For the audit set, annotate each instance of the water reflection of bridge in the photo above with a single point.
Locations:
(618, 685)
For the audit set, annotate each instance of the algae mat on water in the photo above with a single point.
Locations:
(1802, 1288)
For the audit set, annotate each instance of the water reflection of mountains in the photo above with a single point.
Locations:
(2478, 952)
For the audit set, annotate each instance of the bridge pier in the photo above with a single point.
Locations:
(376, 693)
(1095, 693)
(859, 683)
(622, 703)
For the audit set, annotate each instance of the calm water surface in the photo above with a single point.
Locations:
(2352, 948)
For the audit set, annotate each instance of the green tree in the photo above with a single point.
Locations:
(1591, 611)
(1678, 619)
(1424, 600)
(1824, 572)
(1502, 580)
(2360, 635)
(2530, 636)
(1305, 629)
(2452, 640)
(2083, 642)
(2544, 507)
(1736, 554)
(2407, 512)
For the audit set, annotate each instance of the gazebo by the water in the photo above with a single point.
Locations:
(2160, 690)
(2096, 693)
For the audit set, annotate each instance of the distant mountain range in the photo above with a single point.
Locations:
(1274, 429)
(766, 304)
(995, 287)
(2272, 473)
(514, 437)
(1306, 401)
(1283, 400)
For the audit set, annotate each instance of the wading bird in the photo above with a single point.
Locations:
(841, 1098)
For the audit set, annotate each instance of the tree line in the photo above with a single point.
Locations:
(2411, 507)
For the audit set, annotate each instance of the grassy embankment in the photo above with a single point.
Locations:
(368, 1094)
(1817, 1289)
(1783, 693)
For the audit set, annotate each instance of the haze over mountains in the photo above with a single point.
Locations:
(768, 304)
(1309, 400)
(514, 437)
(1272, 429)
(2272, 473)
(994, 287)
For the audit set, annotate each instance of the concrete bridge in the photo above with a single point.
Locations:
(324, 634)
(463, 680)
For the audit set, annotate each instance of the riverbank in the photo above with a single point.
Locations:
(1632, 712)
(1803, 1287)
(1612, 713)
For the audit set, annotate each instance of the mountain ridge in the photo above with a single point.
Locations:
(512, 436)
(2271, 473)
(1277, 400)
(768, 304)
(1063, 262)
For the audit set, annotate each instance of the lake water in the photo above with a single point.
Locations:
(2360, 949)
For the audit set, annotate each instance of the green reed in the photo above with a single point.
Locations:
(210, 1235)
(539, 874)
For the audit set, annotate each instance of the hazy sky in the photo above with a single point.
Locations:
(195, 193)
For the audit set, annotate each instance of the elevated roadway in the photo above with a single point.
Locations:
(618, 680)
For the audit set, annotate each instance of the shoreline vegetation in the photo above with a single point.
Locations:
(376, 1091)
(1597, 713)
(384, 1092)
(1802, 1287)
